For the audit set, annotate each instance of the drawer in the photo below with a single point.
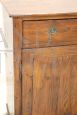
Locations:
(49, 33)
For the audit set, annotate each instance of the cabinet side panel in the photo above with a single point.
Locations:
(17, 24)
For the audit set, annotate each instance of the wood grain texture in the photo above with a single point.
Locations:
(51, 80)
(27, 83)
(44, 33)
(45, 65)
(48, 16)
(17, 66)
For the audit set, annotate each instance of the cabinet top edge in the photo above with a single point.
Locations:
(40, 9)
(46, 16)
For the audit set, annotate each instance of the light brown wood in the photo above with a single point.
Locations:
(45, 64)
(48, 16)
(49, 33)
(17, 66)
(49, 81)
(27, 83)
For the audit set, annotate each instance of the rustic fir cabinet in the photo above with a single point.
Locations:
(45, 64)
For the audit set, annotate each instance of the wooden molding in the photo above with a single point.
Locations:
(47, 16)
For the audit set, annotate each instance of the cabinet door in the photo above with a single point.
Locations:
(49, 81)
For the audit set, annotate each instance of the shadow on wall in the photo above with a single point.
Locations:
(2, 78)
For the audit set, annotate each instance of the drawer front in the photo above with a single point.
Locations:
(49, 33)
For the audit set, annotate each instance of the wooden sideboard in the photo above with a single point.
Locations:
(45, 57)
(45, 64)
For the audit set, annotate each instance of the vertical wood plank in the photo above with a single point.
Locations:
(64, 90)
(55, 82)
(27, 82)
(17, 24)
(45, 85)
(73, 85)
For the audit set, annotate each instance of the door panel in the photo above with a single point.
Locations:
(49, 83)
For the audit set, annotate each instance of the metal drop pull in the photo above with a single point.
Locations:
(52, 30)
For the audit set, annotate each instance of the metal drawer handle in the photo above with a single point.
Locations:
(52, 30)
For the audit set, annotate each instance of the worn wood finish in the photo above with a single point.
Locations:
(27, 83)
(56, 16)
(45, 64)
(50, 81)
(17, 65)
(48, 16)
(49, 33)
(52, 86)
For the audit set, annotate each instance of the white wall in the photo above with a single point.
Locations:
(3, 70)
(7, 27)
(1, 17)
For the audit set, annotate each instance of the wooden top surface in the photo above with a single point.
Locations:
(33, 7)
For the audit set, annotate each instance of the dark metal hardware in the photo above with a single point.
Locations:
(52, 30)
